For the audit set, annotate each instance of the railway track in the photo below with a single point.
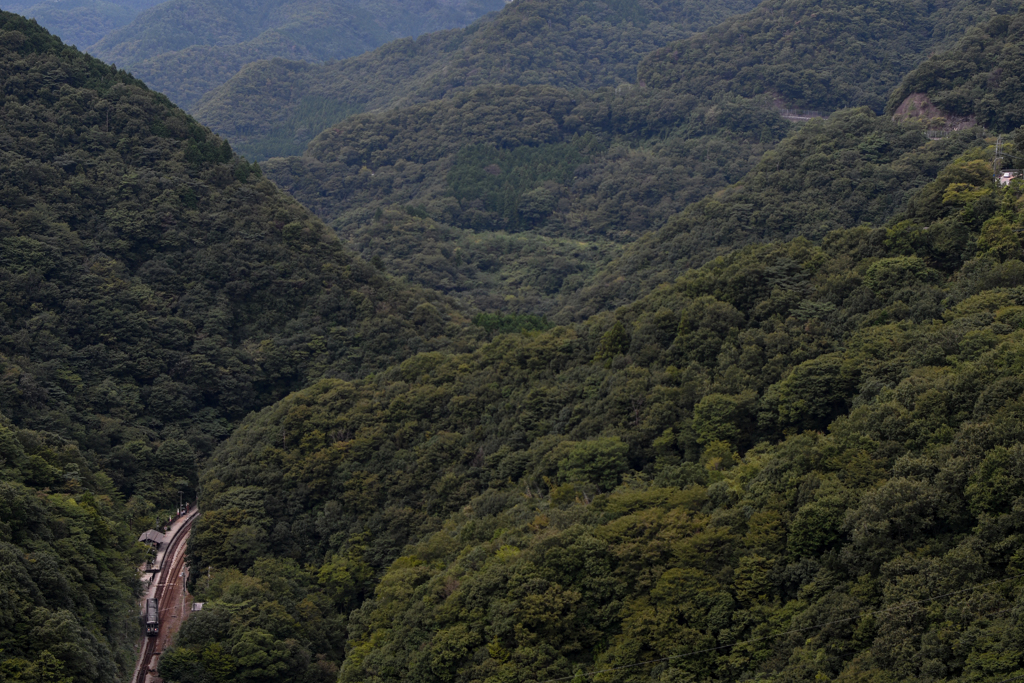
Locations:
(166, 580)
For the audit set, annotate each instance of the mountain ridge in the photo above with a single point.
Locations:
(568, 45)
(185, 48)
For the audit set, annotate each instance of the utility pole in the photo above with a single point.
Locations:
(181, 611)
(995, 159)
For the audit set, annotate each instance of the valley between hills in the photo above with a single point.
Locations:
(601, 341)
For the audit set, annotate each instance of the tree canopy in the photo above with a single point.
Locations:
(796, 461)
(814, 55)
(978, 79)
(274, 108)
(555, 376)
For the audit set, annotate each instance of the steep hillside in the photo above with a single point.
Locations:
(978, 80)
(185, 48)
(275, 108)
(787, 194)
(464, 193)
(67, 564)
(853, 168)
(815, 55)
(154, 289)
(797, 462)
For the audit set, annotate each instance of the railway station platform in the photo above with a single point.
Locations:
(147, 570)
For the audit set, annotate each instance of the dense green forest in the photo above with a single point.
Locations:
(274, 108)
(525, 223)
(781, 51)
(855, 168)
(798, 462)
(508, 196)
(815, 55)
(154, 289)
(978, 79)
(67, 563)
(543, 372)
(464, 193)
(155, 286)
(184, 48)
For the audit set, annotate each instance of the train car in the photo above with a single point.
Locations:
(152, 617)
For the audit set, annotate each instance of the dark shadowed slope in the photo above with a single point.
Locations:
(154, 288)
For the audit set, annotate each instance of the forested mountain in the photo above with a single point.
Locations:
(798, 462)
(508, 196)
(781, 51)
(465, 192)
(154, 289)
(79, 22)
(68, 561)
(979, 80)
(854, 168)
(275, 108)
(185, 48)
(522, 217)
(847, 170)
(815, 55)
(776, 436)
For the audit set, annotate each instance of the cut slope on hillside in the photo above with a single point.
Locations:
(979, 79)
(274, 108)
(184, 48)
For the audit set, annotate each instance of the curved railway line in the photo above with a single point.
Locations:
(166, 580)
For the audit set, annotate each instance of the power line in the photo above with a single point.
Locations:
(821, 625)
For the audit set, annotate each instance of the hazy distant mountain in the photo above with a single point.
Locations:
(186, 47)
(80, 22)
(275, 107)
